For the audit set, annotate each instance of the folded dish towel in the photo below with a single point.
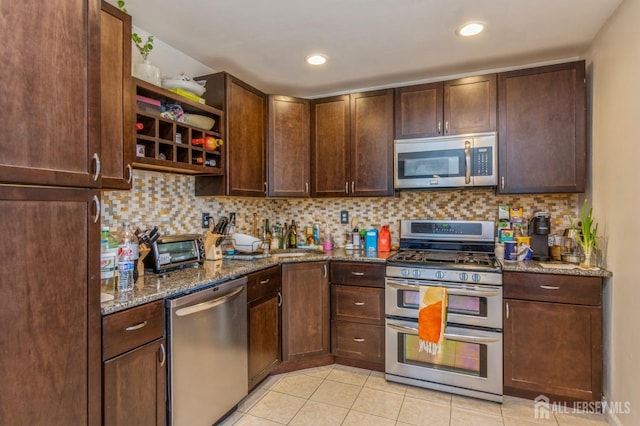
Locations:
(432, 318)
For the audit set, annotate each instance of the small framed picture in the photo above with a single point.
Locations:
(139, 150)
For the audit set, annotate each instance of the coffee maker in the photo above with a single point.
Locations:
(539, 226)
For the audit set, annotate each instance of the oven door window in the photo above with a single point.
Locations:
(465, 358)
(458, 304)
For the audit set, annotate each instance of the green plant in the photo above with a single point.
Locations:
(589, 231)
(144, 48)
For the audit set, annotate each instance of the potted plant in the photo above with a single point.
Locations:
(145, 70)
(586, 234)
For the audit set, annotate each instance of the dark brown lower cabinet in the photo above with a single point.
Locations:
(357, 314)
(264, 318)
(553, 336)
(134, 366)
(305, 310)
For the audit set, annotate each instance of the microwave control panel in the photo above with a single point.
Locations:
(482, 161)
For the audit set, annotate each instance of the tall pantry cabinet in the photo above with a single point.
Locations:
(50, 211)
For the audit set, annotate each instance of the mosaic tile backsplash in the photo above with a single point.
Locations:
(168, 201)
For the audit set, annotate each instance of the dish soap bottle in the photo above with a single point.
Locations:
(384, 239)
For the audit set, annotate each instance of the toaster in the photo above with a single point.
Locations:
(175, 252)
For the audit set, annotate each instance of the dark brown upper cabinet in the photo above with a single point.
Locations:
(464, 105)
(352, 145)
(288, 147)
(541, 138)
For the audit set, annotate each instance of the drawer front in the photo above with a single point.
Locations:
(358, 304)
(129, 329)
(358, 273)
(358, 341)
(577, 290)
(263, 283)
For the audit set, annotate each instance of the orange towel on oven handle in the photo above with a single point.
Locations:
(432, 318)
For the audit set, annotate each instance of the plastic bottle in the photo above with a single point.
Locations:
(384, 239)
(316, 234)
(328, 246)
(108, 260)
(127, 258)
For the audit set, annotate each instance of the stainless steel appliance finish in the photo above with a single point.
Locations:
(457, 255)
(207, 332)
(175, 252)
(448, 161)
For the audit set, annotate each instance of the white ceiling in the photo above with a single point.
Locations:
(370, 43)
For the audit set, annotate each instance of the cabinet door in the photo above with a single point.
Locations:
(50, 82)
(305, 310)
(289, 147)
(134, 387)
(371, 165)
(553, 349)
(246, 139)
(117, 126)
(419, 111)
(264, 337)
(542, 145)
(470, 105)
(330, 136)
(50, 341)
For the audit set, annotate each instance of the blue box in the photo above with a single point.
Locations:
(371, 241)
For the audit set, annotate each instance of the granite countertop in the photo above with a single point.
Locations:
(152, 287)
(554, 267)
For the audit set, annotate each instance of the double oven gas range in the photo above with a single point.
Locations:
(457, 255)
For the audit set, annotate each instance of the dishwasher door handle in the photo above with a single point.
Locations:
(208, 304)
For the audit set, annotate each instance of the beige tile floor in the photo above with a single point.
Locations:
(341, 395)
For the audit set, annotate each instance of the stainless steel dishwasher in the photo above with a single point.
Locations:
(208, 372)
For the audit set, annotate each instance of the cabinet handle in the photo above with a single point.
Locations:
(324, 268)
(96, 166)
(162, 355)
(358, 274)
(439, 127)
(446, 127)
(358, 339)
(353, 186)
(136, 327)
(501, 182)
(506, 306)
(129, 173)
(265, 281)
(279, 298)
(358, 303)
(346, 187)
(96, 204)
(266, 188)
(550, 287)
(306, 187)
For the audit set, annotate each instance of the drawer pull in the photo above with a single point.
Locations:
(550, 287)
(136, 327)
(358, 303)
(162, 355)
(265, 281)
(358, 274)
(358, 339)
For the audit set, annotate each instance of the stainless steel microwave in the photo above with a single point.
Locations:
(446, 162)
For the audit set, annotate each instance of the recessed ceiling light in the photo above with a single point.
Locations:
(470, 29)
(316, 59)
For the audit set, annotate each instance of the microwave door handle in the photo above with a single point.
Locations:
(467, 162)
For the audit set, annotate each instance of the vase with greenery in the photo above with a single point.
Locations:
(145, 71)
(586, 235)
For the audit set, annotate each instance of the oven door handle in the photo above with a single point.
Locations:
(448, 336)
(403, 328)
(470, 339)
(480, 293)
(404, 286)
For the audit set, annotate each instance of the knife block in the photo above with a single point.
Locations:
(211, 250)
(143, 251)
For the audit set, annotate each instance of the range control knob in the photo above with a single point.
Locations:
(417, 273)
(476, 277)
(440, 275)
(463, 276)
(405, 272)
